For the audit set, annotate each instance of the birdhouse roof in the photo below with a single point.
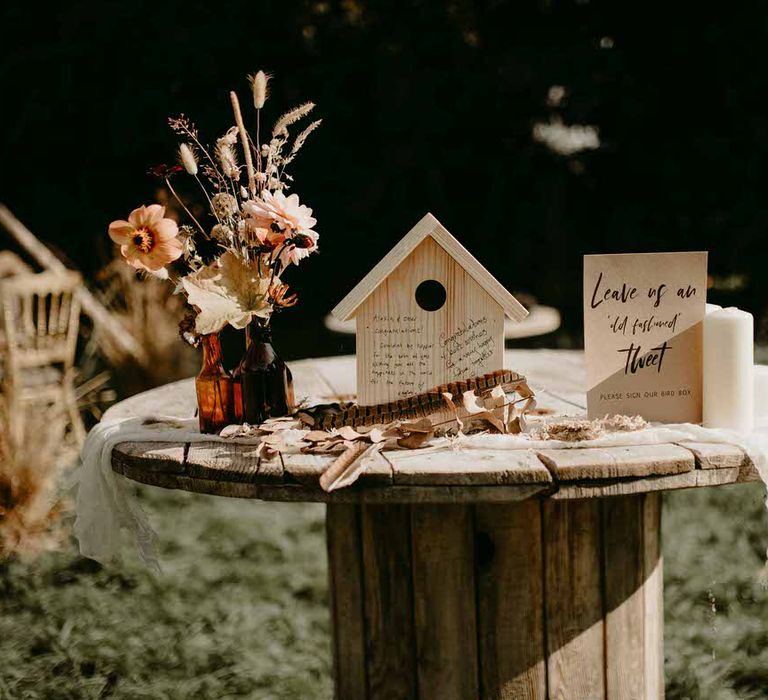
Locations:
(429, 226)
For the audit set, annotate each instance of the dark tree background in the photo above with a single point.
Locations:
(427, 106)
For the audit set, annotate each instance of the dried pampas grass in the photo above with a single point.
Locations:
(29, 505)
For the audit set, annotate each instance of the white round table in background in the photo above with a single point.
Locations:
(540, 321)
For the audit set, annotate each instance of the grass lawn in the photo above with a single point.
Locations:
(240, 610)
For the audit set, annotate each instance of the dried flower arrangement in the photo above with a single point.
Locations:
(228, 265)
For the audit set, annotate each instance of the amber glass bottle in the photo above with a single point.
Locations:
(265, 380)
(215, 389)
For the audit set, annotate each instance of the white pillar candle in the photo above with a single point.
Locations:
(761, 391)
(713, 307)
(728, 370)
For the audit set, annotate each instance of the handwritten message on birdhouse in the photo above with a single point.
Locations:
(401, 353)
(408, 354)
(643, 334)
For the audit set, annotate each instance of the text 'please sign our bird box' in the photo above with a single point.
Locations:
(429, 313)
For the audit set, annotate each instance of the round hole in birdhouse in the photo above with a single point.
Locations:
(430, 295)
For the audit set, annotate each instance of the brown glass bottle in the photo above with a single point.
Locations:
(215, 389)
(265, 380)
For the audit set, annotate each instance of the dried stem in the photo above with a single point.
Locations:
(210, 203)
(244, 141)
(258, 139)
(184, 206)
(192, 135)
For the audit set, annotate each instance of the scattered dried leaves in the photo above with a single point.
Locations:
(356, 447)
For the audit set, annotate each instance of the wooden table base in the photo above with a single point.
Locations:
(535, 599)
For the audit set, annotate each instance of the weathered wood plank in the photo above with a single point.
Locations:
(510, 603)
(693, 479)
(165, 473)
(231, 462)
(307, 469)
(444, 602)
(716, 455)
(653, 593)
(390, 653)
(346, 593)
(623, 576)
(291, 492)
(152, 456)
(467, 468)
(573, 600)
(615, 462)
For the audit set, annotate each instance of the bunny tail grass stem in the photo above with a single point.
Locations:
(210, 203)
(184, 207)
(258, 139)
(243, 141)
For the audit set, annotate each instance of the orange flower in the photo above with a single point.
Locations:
(147, 240)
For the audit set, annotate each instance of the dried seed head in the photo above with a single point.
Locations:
(259, 87)
(224, 205)
(230, 137)
(227, 159)
(291, 117)
(222, 233)
(187, 158)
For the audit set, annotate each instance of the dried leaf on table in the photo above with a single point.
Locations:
(471, 402)
(277, 426)
(481, 411)
(365, 429)
(347, 432)
(448, 398)
(497, 398)
(289, 440)
(317, 436)
(265, 451)
(241, 431)
(346, 468)
(423, 425)
(485, 419)
(376, 435)
(414, 440)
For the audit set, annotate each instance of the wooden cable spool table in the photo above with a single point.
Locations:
(492, 574)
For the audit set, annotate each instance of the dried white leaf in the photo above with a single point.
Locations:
(227, 292)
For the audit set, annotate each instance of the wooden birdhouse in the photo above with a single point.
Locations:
(429, 313)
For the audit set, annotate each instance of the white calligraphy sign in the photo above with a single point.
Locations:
(643, 318)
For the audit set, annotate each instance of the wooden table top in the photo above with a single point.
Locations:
(435, 476)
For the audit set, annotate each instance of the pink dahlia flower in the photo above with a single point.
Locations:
(286, 213)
